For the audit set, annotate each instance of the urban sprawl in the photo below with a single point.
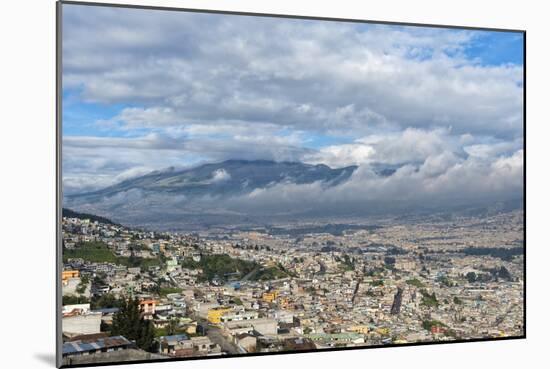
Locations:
(132, 294)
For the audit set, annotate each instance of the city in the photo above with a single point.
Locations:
(238, 185)
(288, 288)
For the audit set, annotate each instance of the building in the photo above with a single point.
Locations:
(246, 341)
(147, 306)
(203, 346)
(67, 274)
(215, 314)
(264, 326)
(361, 329)
(270, 296)
(238, 315)
(336, 338)
(88, 347)
(178, 345)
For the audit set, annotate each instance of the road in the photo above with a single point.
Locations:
(216, 336)
(359, 281)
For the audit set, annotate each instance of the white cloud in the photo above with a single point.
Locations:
(220, 175)
(443, 180)
(324, 77)
(397, 96)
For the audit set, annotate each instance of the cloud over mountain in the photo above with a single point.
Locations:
(422, 112)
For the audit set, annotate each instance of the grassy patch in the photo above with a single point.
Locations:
(415, 282)
(270, 273)
(220, 266)
(98, 252)
(377, 283)
(428, 299)
(168, 290)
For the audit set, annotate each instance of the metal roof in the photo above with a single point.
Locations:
(102, 343)
(176, 337)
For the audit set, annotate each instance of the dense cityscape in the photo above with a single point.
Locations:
(131, 294)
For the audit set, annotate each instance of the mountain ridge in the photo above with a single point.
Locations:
(230, 177)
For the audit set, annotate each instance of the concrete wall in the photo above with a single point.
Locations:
(82, 324)
(115, 356)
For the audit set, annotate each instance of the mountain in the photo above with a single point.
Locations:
(237, 193)
(200, 195)
(229, 178)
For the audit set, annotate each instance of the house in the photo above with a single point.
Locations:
(297, 344)
(264, 326)
(147, 306)
(336, 338)
(67, 274)
(203, 346)
(246, 341)
(215, 314)
(238, 315)
(87, 347)
(178, 345)
(270, 296)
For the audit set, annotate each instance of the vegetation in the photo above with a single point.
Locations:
(137, 262)
(500, 273)
(105, 301)
(267, 274)
(457, 300)
(428, 299)
(377, 282)
(163, 291)
(415, 282)
(445, 281)
(334, 229)
(99, 252)
(220, 266)
(129, 323)
(84, 281)
(286, 271)
(99, 279)
(428, 324)
(74, 300)
(471, 277)
(93, 251)
(347, 263)
(496, 252)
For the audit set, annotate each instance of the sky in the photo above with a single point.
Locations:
(145, 90)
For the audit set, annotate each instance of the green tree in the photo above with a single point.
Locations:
(128, 322)
(471, 277)
(172, 327)
(146, 339)
(72, 300)
(107, 300)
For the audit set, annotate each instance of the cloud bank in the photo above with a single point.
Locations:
(181, 89)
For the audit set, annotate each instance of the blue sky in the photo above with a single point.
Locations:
(145, 90)
(497, 48)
